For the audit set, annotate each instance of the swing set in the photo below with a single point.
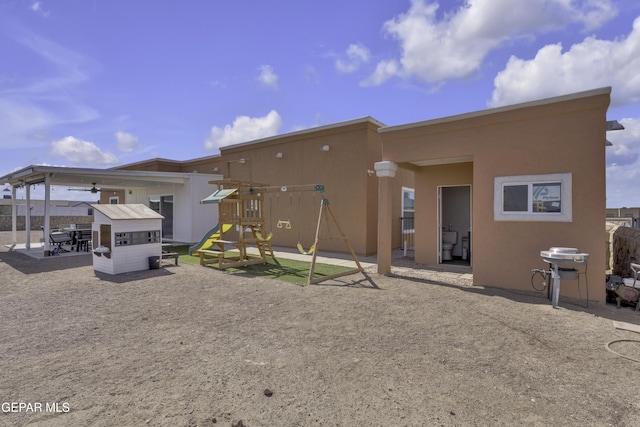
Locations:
(242, 204)
(325, 213)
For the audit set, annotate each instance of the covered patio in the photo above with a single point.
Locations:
(93, 180)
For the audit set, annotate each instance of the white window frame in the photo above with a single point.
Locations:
(566, 214)
(115, 199)
(411, 191)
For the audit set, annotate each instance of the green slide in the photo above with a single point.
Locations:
(207, 240)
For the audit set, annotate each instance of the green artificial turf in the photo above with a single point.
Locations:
(285, 269)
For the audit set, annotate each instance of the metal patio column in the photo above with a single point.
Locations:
(27, 216)
(47, 213)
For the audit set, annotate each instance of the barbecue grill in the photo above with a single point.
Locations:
(562, 256)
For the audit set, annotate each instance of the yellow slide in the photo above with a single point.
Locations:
(207, 240)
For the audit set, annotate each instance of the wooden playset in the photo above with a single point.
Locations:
(241, 206)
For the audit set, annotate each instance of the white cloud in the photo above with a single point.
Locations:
(384, 71)
(72, 67)
(20, 117)
(127, 142)
(311, 74)
(453, 45)
(37, 7)
(31, 106)
(267, 77)
(623, 165)
(217, 84)
(587, 65)
(243, 129)
(626, 144)
(80, 152)
(356, 56)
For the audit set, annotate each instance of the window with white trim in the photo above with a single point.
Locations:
(408, 202)
(533, 198)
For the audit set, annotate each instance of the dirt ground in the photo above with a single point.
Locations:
(190, 346)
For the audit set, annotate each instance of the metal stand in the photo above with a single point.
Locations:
(555, 275)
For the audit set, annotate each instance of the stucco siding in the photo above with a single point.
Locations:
(563, 136)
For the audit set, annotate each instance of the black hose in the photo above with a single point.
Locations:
(543, 274)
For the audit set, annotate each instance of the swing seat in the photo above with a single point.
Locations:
(303, 252)
(284, 223)
(264, 239)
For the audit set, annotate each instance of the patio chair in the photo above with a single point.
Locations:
(58, 239)
(84, 240)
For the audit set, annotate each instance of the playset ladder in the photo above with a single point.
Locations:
(264, 246)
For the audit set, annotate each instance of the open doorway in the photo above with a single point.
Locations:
(164, 206)
(454, 223)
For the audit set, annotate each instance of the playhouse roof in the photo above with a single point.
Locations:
(127, 211)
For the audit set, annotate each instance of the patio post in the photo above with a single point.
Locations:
(27, 216)
(386, 171)
(14, 215)
(47, 213)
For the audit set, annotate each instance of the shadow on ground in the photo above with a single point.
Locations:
(608, 311)
(27, 265)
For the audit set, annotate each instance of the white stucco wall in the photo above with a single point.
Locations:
(191, 220)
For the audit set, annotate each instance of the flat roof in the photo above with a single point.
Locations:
(108, 178)
(489, 111)
(366, 119)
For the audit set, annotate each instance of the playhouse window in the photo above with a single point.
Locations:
(137, 237)
(533, 198)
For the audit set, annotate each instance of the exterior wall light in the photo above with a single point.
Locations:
(241, 161)
(614, 125)
(324, 148)
(278, 155)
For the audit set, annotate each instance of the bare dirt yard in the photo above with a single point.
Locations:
(191, 346)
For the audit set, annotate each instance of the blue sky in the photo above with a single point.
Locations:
(102, 83)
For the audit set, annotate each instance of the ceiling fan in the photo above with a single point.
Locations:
(93, 189)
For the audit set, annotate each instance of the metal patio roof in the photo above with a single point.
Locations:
(106, 178)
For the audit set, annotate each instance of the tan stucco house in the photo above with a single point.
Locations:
(514, 180)
(340, 157)
(503, 183)
(480, 175)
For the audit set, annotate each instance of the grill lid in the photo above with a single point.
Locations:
(560, 255)
(563, 250)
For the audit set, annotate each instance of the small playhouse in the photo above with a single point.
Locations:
(126, 237)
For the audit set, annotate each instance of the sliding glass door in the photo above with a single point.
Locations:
(164, 206)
